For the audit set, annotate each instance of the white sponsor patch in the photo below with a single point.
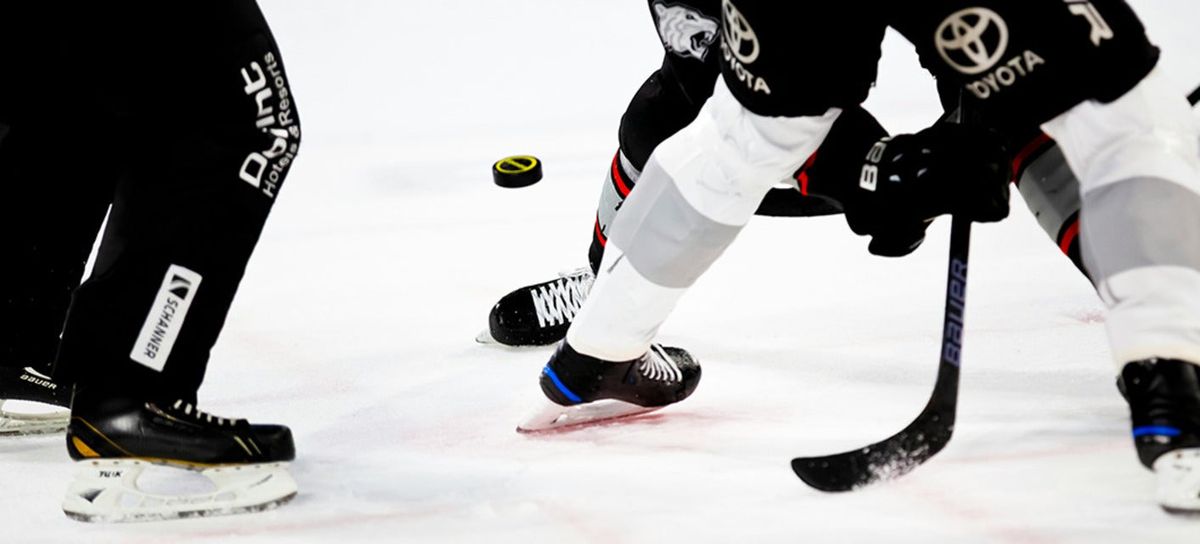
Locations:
(153, 346)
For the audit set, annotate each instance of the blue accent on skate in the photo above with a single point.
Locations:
(1156, 430)
(559, 384)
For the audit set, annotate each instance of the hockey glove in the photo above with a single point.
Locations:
(910, 179)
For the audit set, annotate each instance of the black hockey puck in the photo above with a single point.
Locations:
(517, 171)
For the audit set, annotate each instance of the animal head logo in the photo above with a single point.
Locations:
(685, 31)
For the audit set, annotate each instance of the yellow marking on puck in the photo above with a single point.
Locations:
(518, 164)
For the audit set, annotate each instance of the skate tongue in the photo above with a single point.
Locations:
(1178, 475)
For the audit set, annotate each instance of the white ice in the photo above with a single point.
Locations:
(389, 244)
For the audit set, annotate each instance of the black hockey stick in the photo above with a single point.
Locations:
(931, 431)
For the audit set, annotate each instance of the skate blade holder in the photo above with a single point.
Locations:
(1178, 474)
(552, 417)
(28, 418)
(135, 490)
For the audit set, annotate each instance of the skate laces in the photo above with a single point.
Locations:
(556, 302)
(659, 366)
(188, 409)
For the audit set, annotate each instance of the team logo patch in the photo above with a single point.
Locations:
(972, 40)
(741, 47)
(685, 31)
(740, 38)
(166, 317)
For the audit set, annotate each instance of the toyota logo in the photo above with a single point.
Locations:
(972, 40)
(740, 39)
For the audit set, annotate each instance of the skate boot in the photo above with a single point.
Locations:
(32, 403)
(539, 314)
(583, 389)
(1164, 402)
(145, 461)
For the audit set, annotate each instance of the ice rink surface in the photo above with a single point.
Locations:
(389, 244)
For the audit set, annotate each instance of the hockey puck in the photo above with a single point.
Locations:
(517, 171)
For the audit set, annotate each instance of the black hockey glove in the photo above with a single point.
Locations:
(910, 179)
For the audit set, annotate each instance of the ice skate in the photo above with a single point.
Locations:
(32, 403)
(145, 461)
(582, 389)
(1164, 401)
(539, 314)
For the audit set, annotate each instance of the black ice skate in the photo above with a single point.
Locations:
(44, 402)
(1164, 402)
(143, 461)
(539, 314)
(583, 389)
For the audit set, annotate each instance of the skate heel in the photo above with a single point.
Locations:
(134, 490)
(1178, 475)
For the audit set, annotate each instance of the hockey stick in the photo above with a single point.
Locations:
(931, 431)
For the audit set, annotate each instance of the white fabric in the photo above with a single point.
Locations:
(1153, 312)
(1150, 133)
(723, 164)
(622, 313)
(728, 158)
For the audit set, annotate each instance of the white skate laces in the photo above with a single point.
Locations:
(189, 410)
(557, 302)
(658, 366)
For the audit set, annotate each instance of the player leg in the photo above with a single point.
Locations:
(540, 314)
(1083, 70)
(669, 100)
(1051, 191)
(196, 189)
(50, 213)
(698, 190)
(1140, 172)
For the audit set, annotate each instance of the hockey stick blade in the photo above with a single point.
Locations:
(931, 430)
(1195, 96)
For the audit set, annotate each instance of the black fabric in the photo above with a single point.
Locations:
(1032, 60)
(672, 96)
(797, 59)
(1058, 54)
(177, 113)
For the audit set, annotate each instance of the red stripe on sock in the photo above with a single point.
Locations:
(802, 175)
(600, 234)
(1019, 161)
(622, 188)
(1068, 237)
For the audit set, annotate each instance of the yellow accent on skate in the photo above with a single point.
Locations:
(83, 449)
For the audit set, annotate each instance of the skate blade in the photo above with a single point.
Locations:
(1178, 474)
(132, 490)
(13, 423)
(485, 337)
(554, 417)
